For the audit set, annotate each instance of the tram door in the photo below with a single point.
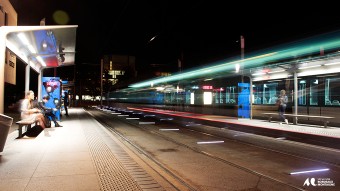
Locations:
(243, 100)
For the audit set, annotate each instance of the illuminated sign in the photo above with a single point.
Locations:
(207, 87)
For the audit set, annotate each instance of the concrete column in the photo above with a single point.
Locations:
(40, 83)
(295, 98)
(27, 76)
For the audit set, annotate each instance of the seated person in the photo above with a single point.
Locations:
(48, 111)
(28, 112)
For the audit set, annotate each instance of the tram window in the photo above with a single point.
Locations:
(188, 97)
(173, 97)
(270, 93)
(265, 93)
(302, 92)
(332, 92)
(216, 96)
(230, 95)
(313, 93)
(167, 97)
(222, 94)
(219, 95)
(257, 91)
(192, 98)
(207, 98)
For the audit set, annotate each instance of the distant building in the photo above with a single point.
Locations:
(117, 67)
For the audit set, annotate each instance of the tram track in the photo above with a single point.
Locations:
(145, 128)
(183, 182)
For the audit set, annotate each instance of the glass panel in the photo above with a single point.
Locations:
(302, 92)
(207, 98)
(265, 93)
(230, 95)
(187, 97)
(257, 92)
(269, 93)
(332, 92)
(167, 98)
(222, 95)
(313, 93)
(219, 95)
(216, 97)
(192, 98)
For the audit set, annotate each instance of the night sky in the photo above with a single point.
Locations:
(202, 31)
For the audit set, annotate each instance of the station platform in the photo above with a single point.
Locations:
(81, 155)
(306, 133)
(84, 155)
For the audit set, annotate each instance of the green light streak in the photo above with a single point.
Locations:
(301, 48)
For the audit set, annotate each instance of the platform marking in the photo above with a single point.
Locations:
(281, 138)
(209, 142)
(163, 119)
(144, 123)
(168, 129)
(149, 115)
(196, 124)
(308, 171)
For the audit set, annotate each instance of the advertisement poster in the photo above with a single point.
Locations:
(51, 87)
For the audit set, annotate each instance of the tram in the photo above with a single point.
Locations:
(309, 71)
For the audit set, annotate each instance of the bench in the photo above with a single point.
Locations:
(325, 119)
(25, 123)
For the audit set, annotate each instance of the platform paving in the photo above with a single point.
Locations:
(81, 155)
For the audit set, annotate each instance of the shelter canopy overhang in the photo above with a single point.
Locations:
(42, 46)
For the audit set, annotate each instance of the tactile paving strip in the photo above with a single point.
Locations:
(116, 169)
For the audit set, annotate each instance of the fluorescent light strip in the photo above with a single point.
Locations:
(123, 115)
(209, 142)
(116, 113)
(32, 50)
(23, 39)
(43, 63)
(169, 129)
(319, 71)
(308, 171)
(132, 118)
